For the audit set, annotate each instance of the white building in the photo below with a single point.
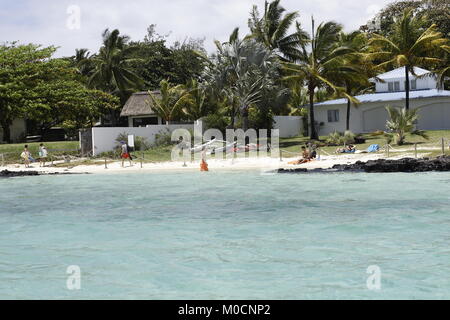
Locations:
(18, 130)
(433, 105)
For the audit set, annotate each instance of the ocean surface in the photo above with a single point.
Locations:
(226, 235)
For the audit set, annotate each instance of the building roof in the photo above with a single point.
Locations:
(139, 104)
(400, 73)
(390, 96)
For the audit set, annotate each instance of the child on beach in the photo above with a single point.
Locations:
(26, 157)
(43, 153)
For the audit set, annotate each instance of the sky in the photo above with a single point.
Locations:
(79, 23)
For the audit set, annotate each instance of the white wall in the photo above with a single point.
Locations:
(370, 117)
(104, 139)
(289, 126)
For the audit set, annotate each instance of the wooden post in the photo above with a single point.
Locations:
(318, 154)
(142, 160)
(3, 160)
(281, 155)
(443, 147)
(415, 150)
(106, 164)
(387, 150)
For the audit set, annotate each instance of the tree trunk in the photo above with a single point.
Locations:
(349, 106)
(244, 114)
(314, 135)
(407, 86)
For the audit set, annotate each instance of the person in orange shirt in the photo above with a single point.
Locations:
(204, 164)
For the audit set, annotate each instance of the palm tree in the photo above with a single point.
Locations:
(357, 82)
(402, 122)
(320, 64)
(242, 70)
(112, 73)
(196, 107)
(83, 62)
(408, 47)
(171, 100)
(272, 30)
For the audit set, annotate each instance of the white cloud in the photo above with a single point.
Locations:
(44, 21)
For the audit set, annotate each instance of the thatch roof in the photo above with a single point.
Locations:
(139, 104)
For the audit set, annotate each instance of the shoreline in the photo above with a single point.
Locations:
(265, 164)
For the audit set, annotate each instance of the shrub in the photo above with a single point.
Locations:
(337, 138)
(163, 138)
(216, 121)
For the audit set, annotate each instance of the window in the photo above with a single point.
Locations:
(394, 86)
(413, 84)
(333, 115)
(391, 86)
(143, 122)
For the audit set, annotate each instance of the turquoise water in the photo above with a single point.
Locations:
(226, 236)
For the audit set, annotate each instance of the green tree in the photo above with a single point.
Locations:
(196, 106)
(408, 47)
(45, 90)
(357, 82)
(169, 104)
(272, 30)
(112, 73)
(320, 63)
(402, 122)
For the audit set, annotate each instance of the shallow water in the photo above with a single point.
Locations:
(228, 235)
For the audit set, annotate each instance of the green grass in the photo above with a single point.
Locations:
(12, 152)
(294, 144)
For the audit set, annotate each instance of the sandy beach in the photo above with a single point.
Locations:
(263, 164)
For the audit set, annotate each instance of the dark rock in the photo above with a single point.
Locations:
(10, 174)
(297, 170)
(402, 165)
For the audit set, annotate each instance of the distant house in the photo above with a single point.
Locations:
(18, 130)
(139, 112)
(433, 105)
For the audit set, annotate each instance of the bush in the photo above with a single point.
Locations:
(216, 121)
(163, 138)
(338, 138)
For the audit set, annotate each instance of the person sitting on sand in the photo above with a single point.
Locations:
(348, 149)
(204, 164)
(306, 157)
(125, 154)
(43, 153)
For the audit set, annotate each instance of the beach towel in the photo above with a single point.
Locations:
(373, 148)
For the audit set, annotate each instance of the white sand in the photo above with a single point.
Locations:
(263, 164)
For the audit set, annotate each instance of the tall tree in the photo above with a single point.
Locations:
(408, 47)
(272, 30)
(48, 91)
(169, 103)
(320, 63)
(112, 73)
(356, 82)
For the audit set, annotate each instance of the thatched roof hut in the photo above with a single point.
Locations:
(139, 104)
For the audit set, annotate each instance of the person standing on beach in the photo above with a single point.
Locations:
(43, 153)
(125, 154)
(26, 156)
(204, 164)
